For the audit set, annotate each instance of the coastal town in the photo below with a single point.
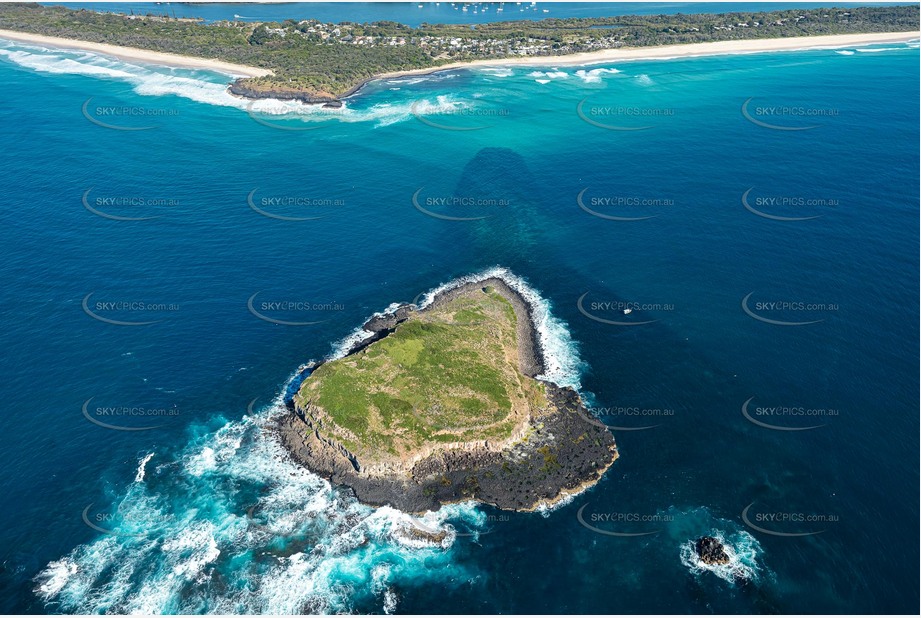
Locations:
(475, 45)
(316, 61)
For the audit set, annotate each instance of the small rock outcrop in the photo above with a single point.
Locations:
(711, 551)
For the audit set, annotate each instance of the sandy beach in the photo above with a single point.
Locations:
(662, 52)
(580, 59)
(135, 54)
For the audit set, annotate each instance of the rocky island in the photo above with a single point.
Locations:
(444, 404)
(714, 554)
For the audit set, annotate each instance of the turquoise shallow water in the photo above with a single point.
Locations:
(207, 515)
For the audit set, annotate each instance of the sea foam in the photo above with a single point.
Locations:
(237, 527)
(742, 549)
(594, 76)
(497, 71)
(210, 88)
(232, 502)
(684, 527)
(562, 364)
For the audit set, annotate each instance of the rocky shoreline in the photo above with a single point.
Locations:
(241, 89)
(561, 451)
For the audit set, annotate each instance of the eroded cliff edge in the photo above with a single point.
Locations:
(472, 424)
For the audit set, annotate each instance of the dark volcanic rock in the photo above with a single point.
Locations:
(241, 89)
(388, 321)
(563, 449)
(711, 551)
(567, 449)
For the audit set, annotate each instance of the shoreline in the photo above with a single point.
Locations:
(421, 486)
(622, 54)
(684, 50)
(660, 52)
(135, 53)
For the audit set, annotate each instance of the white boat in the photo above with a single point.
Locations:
(628, 311)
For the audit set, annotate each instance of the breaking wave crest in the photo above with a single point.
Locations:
(211, 88)
(686, 526)
(594, 76)
(230, 525)
(562, 364)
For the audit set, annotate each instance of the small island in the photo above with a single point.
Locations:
(443, 404)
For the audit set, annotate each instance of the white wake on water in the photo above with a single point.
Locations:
(497, 71)
(871, 50)
(234, 526)
(142, 467)
(593, 76)
(230, 524)
(211, 88)
(742, 549)
(684, 527)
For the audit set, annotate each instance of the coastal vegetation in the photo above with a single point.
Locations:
(316, 61)
(443, 404)
(449, 375)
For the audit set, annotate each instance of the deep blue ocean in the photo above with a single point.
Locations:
(137, 264)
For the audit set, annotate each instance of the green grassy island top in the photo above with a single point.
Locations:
(445, 403)
(446, 375)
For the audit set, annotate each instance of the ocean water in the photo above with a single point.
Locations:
(154, 228)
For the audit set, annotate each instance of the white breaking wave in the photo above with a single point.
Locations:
(562, 364)
(49, 62)
(142, 466)
(239, 528)
(407, 81)
(845, 52)
(545, 509)
(878, 49)
(594, 76)
(644, 79)
(56, 575)
(211, 87)
(742, 549)
(498, 71)
(353, 544)
(543, 77)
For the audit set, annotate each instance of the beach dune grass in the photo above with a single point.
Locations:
(324, 63)
(448, 375)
